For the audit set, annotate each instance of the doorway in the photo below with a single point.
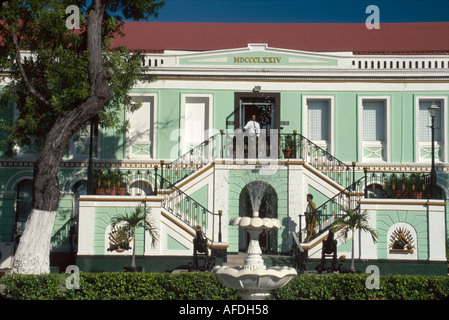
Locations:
(265, 106)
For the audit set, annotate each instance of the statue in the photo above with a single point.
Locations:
(299, 255)
(200, 249)
(329, 248)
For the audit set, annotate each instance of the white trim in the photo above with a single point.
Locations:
(128, 145)
(443, 134)
(386, 144)
(329, 145)
(13, 181)
(210, 100)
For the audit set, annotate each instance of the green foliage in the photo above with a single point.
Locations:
(119, 286)
(354, 220)
(109, 179)
(204, 286)
(26, 287)
(404, 186)
(57, 62)
(353, 287)
(140, 217)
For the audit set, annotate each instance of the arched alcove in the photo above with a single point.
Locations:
(140, 188)
(264, 197)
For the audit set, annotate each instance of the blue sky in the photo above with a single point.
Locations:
(294, 11)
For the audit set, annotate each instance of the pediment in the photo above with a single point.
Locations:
(260, 55)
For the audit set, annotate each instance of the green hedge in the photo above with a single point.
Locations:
(353, 287)
(117, 286)
(204, 286)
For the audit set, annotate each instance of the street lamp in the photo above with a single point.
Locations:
(433, 110)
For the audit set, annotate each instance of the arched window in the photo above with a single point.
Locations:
(374, 190)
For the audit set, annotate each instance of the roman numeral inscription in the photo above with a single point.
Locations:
(272, 60)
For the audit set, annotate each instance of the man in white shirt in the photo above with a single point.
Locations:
(251, 145)
(253, 126)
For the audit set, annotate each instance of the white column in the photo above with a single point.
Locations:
(221, 201)
(437, 231)
(297, 191)
(368, 249)
(86, 227)
(155, 217)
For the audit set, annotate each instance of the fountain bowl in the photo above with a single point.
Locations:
(253, 281)
(254, 284)
(255, 222)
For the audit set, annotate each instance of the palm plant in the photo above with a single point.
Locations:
(352, 221)
(129, 222)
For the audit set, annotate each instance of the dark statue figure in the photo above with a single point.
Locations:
(299, 255)
(200, 250)
(329, 249)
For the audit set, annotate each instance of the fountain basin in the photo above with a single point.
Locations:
(253, 280)
(254, 284)
(255, 222)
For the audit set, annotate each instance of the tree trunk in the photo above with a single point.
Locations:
(352, 268)
(33, 253)
(32, 256)
(133, 259)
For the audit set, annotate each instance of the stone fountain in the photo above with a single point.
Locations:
(253, 280)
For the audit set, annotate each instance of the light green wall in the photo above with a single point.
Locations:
(168, 114)
(345, 127)
(417, 219)
(318, 197)
(103, 217)
(61, 228)
(173, 244)
(402, 112)
(260, 58)
(291, 111)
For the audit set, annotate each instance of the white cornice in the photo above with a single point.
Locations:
(250, 62)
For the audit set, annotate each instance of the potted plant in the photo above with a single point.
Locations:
(289, 147)
(110, 182)
(395, 186)
(138, 218)
(416, 186)
(402, 186)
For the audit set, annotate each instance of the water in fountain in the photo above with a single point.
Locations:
(256, 192)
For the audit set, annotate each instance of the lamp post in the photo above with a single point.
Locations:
(433, 110)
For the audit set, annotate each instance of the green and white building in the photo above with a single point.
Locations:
(351, 104)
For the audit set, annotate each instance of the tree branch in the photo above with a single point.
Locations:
(28, 84)
(96, 64)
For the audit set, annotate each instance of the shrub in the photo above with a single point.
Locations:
(118, 286)
(204, 286)
(353, 287)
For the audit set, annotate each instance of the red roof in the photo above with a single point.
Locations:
(391, 38)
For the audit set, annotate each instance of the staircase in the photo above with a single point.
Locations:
(174, 176)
